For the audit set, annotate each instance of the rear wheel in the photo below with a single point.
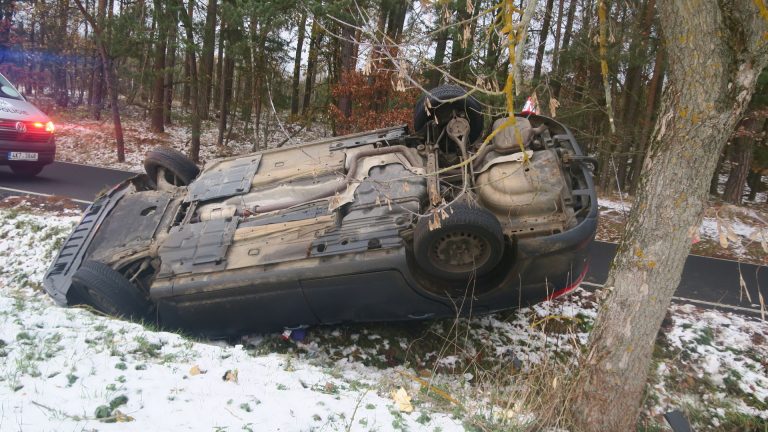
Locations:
(468, 106)
(166, 166)
(469, 242)
(27, 169)
(110, 292)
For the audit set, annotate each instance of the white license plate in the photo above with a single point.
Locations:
(24, 156)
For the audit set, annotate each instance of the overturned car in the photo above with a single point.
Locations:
(375, 226)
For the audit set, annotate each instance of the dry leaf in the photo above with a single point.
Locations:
(120, 417)
(743, 289)
(195, 370)
(722, 236)
(434, 222)
(230, 375)
(402, 400)
(553, 106)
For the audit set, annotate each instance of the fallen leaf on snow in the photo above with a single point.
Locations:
(195, 370)
(230, 375)
(402, 400)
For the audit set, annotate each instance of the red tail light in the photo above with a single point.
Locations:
(40, 126)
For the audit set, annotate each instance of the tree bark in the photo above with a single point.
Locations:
(297, 64)
(158, 89)
(219, 68)
(566, 43)
(637, 60)
(463, 42)
(314, 46)
(60, 64)
(441, 45)
(697, 117)
(558, 33)
(194, 90)
(171, 65)
(186, 92)
(97, 85)
(741, 160)
(206, 60)
(543, 40)
(651, 100)
(347, 66)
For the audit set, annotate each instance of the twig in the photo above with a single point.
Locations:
(291, 137)
(354, 413)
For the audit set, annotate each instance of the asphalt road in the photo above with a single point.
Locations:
(708, 282)
(75, 181)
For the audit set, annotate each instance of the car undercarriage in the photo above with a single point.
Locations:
(380, 225)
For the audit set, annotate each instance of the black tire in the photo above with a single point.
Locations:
(178, 168)
(27, 169)
(442, 251)
(110, 292)
(468, 105)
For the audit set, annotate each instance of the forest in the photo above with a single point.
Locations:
(358, 65)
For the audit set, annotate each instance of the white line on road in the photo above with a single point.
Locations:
(42, 194)
(690, 300)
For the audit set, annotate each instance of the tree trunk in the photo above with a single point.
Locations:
(227, 67)
(566, 43)
(206, 60)
(651, 100)
(194, 90)
(158, 90)
(347, 66)
(186, 89)
(171, 65)
(637, 60)
(217, 81)
(60, 64)
(314, 46)
(97, 85)
(442, 43)
(543, 40)
(297, 64)
(697, 117)
(558, 33)
(463, 41)
(111, 76)
(741, 160)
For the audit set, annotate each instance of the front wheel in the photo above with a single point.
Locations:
(469, 242)
(110, 292)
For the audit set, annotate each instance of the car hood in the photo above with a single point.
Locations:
(15, 109)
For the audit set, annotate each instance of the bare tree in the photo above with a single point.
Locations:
(722, 45)
(109, 70)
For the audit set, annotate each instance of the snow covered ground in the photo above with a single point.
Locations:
(83, 140)
(726, 231)
(72, 369)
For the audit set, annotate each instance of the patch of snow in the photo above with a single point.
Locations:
(61, 368)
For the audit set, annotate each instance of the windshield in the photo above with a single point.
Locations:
(7, 90)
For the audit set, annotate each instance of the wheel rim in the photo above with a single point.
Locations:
(166, 177)
(460, 252)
